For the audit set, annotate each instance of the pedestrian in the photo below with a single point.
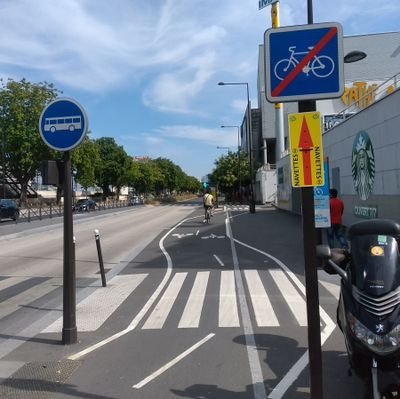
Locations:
(336, 207)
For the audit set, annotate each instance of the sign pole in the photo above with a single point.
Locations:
(63, 125)
(279, 127)
(310, 261)
(69, 331)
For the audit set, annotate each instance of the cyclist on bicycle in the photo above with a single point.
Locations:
(208, 202)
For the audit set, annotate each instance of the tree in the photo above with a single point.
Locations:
(226, 172)
(112, 170)
(150, 176)
(85, 160)
(21, 104)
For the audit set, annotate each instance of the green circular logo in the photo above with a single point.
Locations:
(363, 165)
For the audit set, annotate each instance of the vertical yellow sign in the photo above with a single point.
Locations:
(306, 149)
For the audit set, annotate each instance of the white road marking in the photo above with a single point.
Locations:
(191, 315)
(10, 281)
(301, 364)
(145, 308)
(161, 370)
(211, 236)
(157, 318)
(263, 310)
(252, 351)
(219, 260)
(182, 235)
(28, 296)
(94, 310)
(295, 301)
(228, 315)
(332, 288)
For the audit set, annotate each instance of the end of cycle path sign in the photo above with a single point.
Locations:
(304, 62)
(306, 154)
(63, 124)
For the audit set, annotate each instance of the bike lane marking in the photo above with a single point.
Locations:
(252, 351)
(218, 260)
(313, 52)
(301, 364)
(133, 324)
(174, 361)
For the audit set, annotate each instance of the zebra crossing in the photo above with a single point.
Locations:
(263, 288)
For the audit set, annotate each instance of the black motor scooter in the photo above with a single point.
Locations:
(369, 305)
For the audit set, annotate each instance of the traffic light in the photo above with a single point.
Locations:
(205, 184)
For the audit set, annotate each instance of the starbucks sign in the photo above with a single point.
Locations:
(363, 165)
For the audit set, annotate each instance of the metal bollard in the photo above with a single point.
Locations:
(103, 276)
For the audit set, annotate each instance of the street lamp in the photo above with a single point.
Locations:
(239, 175)
(250, 140)
(223, 148)
(354, 56)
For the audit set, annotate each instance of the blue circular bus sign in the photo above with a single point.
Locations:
(63, 124)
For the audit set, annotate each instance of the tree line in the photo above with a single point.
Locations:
(231, 174)
(95, 162)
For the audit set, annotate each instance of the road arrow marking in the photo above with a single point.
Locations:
(182, 235)
(211, 236)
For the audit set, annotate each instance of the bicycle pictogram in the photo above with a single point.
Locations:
(321, 66)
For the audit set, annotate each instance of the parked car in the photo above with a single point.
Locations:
(85, 205)
(9, 209)
(135, 200)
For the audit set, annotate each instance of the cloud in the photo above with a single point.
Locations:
(213, 137)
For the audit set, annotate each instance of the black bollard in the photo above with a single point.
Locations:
(103, 275)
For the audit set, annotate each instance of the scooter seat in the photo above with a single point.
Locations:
(374, 227)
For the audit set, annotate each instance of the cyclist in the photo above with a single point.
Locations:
(208, 202)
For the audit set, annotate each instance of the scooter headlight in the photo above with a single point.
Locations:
(379, 344)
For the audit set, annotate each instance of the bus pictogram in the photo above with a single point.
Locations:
(70, 123)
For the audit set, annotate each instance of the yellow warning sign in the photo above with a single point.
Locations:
(306, 149)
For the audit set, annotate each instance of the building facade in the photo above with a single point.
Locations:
(366, 83)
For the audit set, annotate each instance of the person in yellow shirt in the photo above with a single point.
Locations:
(208, 202)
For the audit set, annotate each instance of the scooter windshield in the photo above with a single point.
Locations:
(375, 264)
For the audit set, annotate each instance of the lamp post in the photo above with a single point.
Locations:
(238, 143)
(250, 140)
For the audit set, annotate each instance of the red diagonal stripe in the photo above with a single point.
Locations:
(289, 78)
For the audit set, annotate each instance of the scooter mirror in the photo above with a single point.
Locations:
(323, 252)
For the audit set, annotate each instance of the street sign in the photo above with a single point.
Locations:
(265, 3)
(306, 149)
(304, 62)
(322, 214)
(63, 124)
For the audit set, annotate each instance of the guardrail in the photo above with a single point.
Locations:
(39, 212)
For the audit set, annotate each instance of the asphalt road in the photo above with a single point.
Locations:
(190, 310)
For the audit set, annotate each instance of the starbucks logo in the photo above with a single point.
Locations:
(363, 165)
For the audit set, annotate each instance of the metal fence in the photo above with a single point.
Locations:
(39, 211)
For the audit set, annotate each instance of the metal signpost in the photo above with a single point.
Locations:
(304, 64)
(63, 125)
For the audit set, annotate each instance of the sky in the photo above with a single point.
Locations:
(146, 71)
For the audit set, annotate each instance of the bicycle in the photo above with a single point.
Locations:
(208, 214)
(321, 65)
